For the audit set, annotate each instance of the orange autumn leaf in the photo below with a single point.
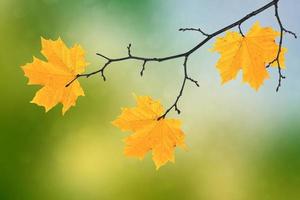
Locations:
(160, 136)
(251, 54)
(62, 66)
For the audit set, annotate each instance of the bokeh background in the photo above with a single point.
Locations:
(243, 145)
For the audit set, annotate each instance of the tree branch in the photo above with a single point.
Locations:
(185, 55)
(277, 59)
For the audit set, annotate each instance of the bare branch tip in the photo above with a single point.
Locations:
(194, 29)
(129, 49)
(291, 33)
(193, 81)
(102, 74)
(103, 56)
(177, 109)
(143, 68)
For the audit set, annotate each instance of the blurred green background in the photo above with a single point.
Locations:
(243, 145)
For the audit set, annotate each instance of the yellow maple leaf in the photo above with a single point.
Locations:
(251, 54)
(149, 133)
(63, 65)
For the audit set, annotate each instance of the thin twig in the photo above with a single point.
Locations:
(143, 68)
(194, 29)
(277, 59)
